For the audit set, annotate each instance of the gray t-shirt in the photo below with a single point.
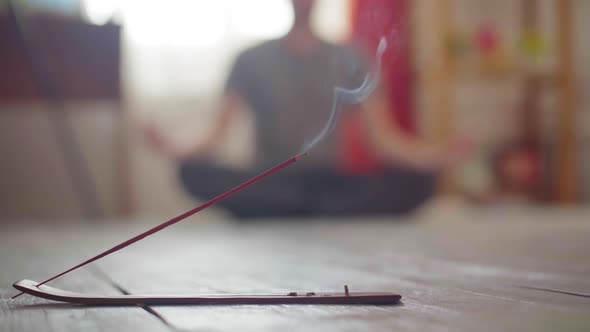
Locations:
(292, 96)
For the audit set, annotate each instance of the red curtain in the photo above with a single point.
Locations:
(371, 20)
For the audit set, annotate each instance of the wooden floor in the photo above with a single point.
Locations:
(458, 270)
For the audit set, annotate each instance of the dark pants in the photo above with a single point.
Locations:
(305, 192)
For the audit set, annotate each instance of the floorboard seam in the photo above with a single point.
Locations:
(103, 275)
(550, 290)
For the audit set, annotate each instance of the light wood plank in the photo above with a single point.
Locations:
(453, 277)
(458, 271)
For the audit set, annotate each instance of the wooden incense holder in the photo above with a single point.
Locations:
(346, 298)
(178, 218)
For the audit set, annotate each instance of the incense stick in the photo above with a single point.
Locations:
(178, 218)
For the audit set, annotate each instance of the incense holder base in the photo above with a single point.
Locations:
(345, 298)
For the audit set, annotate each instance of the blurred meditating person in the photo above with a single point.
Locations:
(288, 84)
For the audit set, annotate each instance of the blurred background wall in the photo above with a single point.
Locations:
(471, 67)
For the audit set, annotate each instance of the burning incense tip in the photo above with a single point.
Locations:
(297, 157)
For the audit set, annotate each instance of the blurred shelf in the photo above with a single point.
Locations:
(442, 74)
(502, 72)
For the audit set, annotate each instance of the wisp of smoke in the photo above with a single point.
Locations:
(344, 96)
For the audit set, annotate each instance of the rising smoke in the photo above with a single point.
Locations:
(344, 96)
